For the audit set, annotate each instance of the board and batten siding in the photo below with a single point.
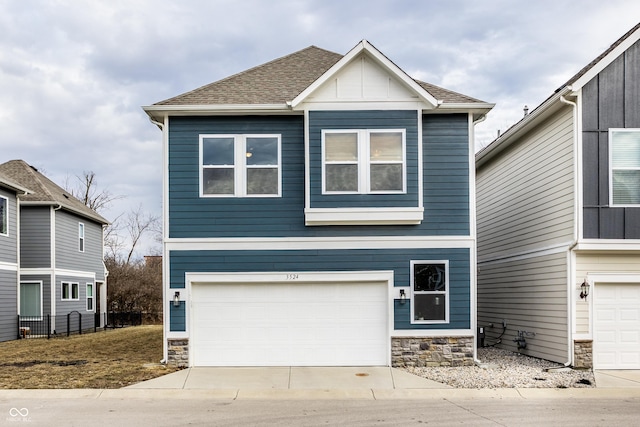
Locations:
(609, 100)
(35, 236)
(530, 295)
(9, 242)
(397, 260)
(68, 254)
(8, 304)
(525, 199)
(445, 182)
(601, 263)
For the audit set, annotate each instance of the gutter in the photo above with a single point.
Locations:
(540, 113)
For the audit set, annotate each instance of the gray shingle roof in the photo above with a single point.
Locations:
(280, 81)
(44, 190)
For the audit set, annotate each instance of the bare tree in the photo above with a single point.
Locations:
(86, 190)
(138, 223)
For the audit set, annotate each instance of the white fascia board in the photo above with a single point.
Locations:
(365, 46)
(608, 245)
(363, 216)
(320, 243)
(547, 108)
(604, 62)
(158, 112)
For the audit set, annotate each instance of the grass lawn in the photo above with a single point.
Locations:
(105, 359)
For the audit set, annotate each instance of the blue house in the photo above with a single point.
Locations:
(319, 211)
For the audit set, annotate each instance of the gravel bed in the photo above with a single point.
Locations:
(506, 369)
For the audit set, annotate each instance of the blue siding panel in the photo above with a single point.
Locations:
(445, 177)
(177, 317)
(397, 260)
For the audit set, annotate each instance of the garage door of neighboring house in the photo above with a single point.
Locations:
(616, 325)
(289, 324)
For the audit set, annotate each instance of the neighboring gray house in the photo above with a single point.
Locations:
(558, 205)
(319, 211)
(9, 256)
(60, 252)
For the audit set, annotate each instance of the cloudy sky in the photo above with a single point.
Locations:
(74, 74)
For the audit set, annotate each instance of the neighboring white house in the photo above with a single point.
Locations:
(559, 206)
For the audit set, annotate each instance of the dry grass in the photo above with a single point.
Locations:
(105, 359)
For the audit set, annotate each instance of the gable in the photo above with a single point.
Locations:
(362, 80)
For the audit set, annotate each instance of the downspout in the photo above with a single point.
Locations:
(570, 260)
(165, 273)
(474, 231)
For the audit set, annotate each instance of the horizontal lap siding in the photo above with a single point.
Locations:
(331, 120)
(35, 237)
(531, 295)
(68, 255)
(446, 174)
(193, 216)
(397, 260)
(525, 199)
(8, 243)
(446, 181)
(610, 100)
(8, 304)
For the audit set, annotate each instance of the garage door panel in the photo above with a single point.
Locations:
(319, 324)
(617, 326)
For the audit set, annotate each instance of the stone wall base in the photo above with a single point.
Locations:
(440, 351)
(178, 352)
(583, 354)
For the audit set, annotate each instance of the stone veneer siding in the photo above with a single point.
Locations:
(583, 354)
(438, 351)
(178, 352)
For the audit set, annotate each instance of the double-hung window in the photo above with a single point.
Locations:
(624, 163)
(70, 291)
(240, 166)
(81, 237)
(4, 216)
(430, 291)
(363, 161)
(90, 306)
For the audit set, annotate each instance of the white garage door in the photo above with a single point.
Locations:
(284, 324)
(617, 326)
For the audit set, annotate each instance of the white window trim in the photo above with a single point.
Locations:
(92, 297)
(611, 131)
(445, 293)
(6, 215)
(39, 283)
(364, 161)
(81, 240)
(71, 286)
(240, 165)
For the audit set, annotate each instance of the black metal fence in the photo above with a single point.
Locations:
(50, 326)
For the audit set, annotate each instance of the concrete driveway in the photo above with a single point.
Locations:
(291, 378)
(608, 378)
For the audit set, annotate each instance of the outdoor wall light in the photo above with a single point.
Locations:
(176, 299)
(403, 297)
(584, 290)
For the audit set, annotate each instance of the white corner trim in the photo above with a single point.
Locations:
(363, 216)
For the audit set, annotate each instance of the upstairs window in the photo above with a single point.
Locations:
(240, 166)
(429, 291)
(4, 216)
(363, 161)
(81, 237)
(624, 162)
